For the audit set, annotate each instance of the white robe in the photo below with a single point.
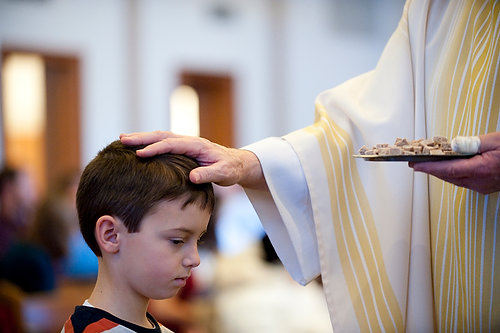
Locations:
(397, 251)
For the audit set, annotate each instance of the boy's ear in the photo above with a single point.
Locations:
(107, 234)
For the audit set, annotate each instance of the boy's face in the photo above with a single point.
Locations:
(157, 260)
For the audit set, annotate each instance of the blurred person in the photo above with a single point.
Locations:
(23, 263)
(397, 250)
(56, 231)
(143, 219)
(28, 266)
(33, 260)
(17, 199)
(50, 231)
(64, 198)
(79, 261)
(37, 261)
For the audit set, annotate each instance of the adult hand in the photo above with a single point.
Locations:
(219, 164)
(480, 173)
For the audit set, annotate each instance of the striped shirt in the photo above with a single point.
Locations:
(90, 319)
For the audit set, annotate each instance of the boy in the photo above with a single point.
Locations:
(143, 218)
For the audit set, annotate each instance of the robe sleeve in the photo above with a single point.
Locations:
(349, 219)
(285, 210)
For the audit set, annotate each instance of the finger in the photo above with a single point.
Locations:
(212, 173)
(145, 138)
(450, 169)
(142, 138)
(124, 135)
(490, 141)
(201, 175)
(189, 146)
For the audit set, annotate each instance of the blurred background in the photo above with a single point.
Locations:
(75, 74)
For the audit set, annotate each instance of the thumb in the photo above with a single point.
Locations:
(202, 175)
(211, 173)
(195, 176)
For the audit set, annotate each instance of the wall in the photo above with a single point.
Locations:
(280, 53)
(96, 37)
(178, 35)
(322, 53)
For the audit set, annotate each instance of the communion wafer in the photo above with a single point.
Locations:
(438, 145)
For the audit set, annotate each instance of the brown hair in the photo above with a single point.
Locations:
(119, 183)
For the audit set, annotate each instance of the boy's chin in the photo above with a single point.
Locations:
(164, 295)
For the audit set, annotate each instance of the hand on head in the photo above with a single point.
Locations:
(221, 165)
(480, 173)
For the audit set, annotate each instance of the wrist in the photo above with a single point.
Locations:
(251, 175)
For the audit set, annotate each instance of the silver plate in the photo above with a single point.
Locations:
(411, 158)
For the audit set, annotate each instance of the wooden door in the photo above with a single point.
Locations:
(62, 134)
(215, 93)
(55, 152)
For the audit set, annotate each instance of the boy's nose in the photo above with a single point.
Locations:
(192, 259)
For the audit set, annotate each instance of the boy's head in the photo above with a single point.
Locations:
(144, 216)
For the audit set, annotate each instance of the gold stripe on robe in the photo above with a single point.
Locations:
(400, 250)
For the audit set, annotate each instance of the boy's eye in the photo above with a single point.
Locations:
(177, 241)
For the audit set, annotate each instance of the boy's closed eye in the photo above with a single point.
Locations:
(177, 241)
(185, 236)
(181, 241)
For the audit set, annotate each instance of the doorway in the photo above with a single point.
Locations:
(41, 114)
(216, 114)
